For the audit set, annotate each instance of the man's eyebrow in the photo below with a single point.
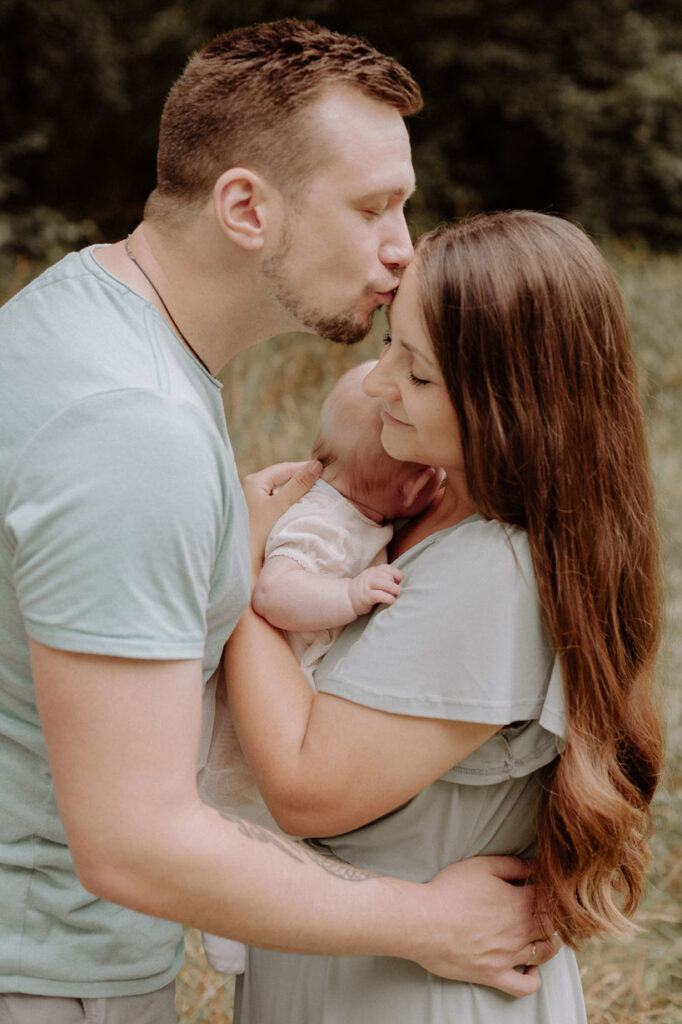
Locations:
(379, 193)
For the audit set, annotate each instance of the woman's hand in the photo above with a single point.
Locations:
(269, 493)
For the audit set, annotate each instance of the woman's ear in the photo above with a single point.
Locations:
(241, 202)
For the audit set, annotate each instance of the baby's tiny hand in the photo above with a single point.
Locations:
(380, 584)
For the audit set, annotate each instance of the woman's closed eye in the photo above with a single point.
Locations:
(413, 378)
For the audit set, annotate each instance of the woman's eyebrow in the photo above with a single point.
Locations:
(417, 352)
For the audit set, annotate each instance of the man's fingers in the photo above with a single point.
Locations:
(543, 950)
(293, 489)
(545, 925)
(272, 478)
(511, 869)
(269, 494)
(514, 983)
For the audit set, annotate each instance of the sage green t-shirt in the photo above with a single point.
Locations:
(123, 532)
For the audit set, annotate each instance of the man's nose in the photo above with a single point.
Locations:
(397, 251)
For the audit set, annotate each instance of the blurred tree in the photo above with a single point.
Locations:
(576, 108)
(80, 96)
(621, 121)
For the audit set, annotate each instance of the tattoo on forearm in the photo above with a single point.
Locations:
(329, 862)
(263, 835)
(310, 849)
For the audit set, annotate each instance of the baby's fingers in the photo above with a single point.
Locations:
(385, 594)
(386, 575)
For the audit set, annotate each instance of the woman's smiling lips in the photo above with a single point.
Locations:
(391, 420)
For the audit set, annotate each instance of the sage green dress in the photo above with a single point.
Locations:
(465, 641)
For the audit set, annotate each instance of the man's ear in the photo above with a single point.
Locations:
(240, 200)
(420, 488)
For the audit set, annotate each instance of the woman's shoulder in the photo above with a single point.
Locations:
(484, 548)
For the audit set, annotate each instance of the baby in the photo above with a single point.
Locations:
(325, 565)
(325, 559)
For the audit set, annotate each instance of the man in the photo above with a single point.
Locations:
(283, 167)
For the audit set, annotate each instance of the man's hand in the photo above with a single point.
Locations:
(269, 493)
(379, 584)
(496, 927)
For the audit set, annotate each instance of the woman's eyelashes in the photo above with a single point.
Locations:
(417, 381)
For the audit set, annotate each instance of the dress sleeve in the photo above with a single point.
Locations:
(464, 641)
(117, 512)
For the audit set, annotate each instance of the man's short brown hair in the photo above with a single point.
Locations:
(242, 99)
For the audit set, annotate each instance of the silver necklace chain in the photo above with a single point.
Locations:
(168, 312)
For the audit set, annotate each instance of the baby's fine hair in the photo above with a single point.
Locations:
(350, 436)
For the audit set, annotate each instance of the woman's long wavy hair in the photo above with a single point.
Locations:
(529, 329)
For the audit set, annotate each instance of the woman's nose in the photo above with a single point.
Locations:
(378, 383)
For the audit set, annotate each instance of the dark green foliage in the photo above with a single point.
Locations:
(575, 107)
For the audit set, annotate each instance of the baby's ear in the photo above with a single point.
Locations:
(419, 488)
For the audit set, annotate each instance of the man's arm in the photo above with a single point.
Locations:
(122, 737)
(294, 598)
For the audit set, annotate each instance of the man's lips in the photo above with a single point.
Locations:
(388, 296)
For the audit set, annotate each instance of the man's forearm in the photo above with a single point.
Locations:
(122, 737)
(235, 878)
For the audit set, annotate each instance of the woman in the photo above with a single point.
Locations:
(504, 703)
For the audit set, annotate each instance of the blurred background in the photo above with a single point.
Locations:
(574, 109)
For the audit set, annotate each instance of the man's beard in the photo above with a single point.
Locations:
(344, 328)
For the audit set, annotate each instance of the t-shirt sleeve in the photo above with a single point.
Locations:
(464, 641)
(117, 511)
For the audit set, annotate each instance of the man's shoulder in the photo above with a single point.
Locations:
(68, 268)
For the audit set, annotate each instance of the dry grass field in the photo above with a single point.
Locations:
(272, 395)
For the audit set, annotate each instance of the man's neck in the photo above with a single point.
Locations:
(209, 290)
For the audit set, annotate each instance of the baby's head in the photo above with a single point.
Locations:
(349, 445)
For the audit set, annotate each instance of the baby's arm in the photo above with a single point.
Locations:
(293, 598)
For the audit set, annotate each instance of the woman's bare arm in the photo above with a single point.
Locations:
(325, 765)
